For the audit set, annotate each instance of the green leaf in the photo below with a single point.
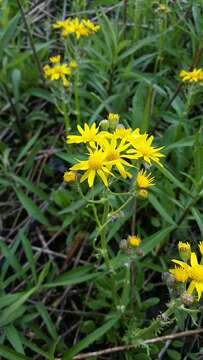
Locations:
(8, 33)
(31, 207)
(7, 313)
(11, 355)
(173, 179)
(84, 343)
(158, 206)
(149, 243)
(29, 254)
(199, 219)
(14, 338)
(47, 320)
(28, 146)
(75, 276)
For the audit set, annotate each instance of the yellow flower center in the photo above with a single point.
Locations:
(113, 155)
(196, 273)
(96, 161)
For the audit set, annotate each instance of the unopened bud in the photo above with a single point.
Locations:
(123, 244)
(186, 298)
(113, 120)
(169, 279)
(104, 125)
(184, 250)
(142, 193)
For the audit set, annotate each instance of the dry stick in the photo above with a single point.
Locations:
(31, 41)
(195, 62)
(148, 341)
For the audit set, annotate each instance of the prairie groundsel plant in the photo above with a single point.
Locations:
(114, 151)
(77, 27)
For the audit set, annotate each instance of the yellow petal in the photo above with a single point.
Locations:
(91, 177)
(193, 259)
(103, 177)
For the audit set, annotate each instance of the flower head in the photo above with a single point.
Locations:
(95, 165)
(134, 240)
(70, 176)
(179, 273)
(143, 193)
(195, 75)
(195, 274)
(113, 117)
(144, 180)
(144, 149)
(77, 27)
(57, 71)
(163, 8)
(87, 135)
(184, 250)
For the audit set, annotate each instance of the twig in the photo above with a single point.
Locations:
(148, 341)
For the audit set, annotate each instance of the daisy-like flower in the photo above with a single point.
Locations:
(70, 176)
(115, 155)
(121, 133)
(57, 71)
(95, 165)
(191, 76)
(77, 27)
(134, 240)
(87, 135)
(144, 149)
(179, 273)
(195, 274)
(184, 250)
(144, 180)
(143, 193)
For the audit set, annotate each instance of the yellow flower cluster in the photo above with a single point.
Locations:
(193, 272)
(163, 8)
(77, 27)
(59, 71)
(114, 150)
(195, 75)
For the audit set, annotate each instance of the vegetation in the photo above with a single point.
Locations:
(101, 179)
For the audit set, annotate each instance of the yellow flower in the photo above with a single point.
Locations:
(73, 64)
(144, 180)
(191, 76)
(134, 240)
(144, 149)
(195, 274)
(184, 250)
(121, 133)
(200, 245)
(55, 59)
(87, 135)
(70, 176)
(113, 117)
(95, 165)
(143, 193)
(115, 157)
(77, 27)
(179, 273)
(57, 71)
(163, 8)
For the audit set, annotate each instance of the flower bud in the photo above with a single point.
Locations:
(142, 193)
(184, 250)
(70, 176)
(113, 120)
(169, 279)
(104, 125)
(123, 244)
(134, 240)
(186, 298)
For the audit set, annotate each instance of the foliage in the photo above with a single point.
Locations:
(58, 296)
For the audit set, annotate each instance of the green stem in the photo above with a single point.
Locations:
(77, 102)
(105, 252)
